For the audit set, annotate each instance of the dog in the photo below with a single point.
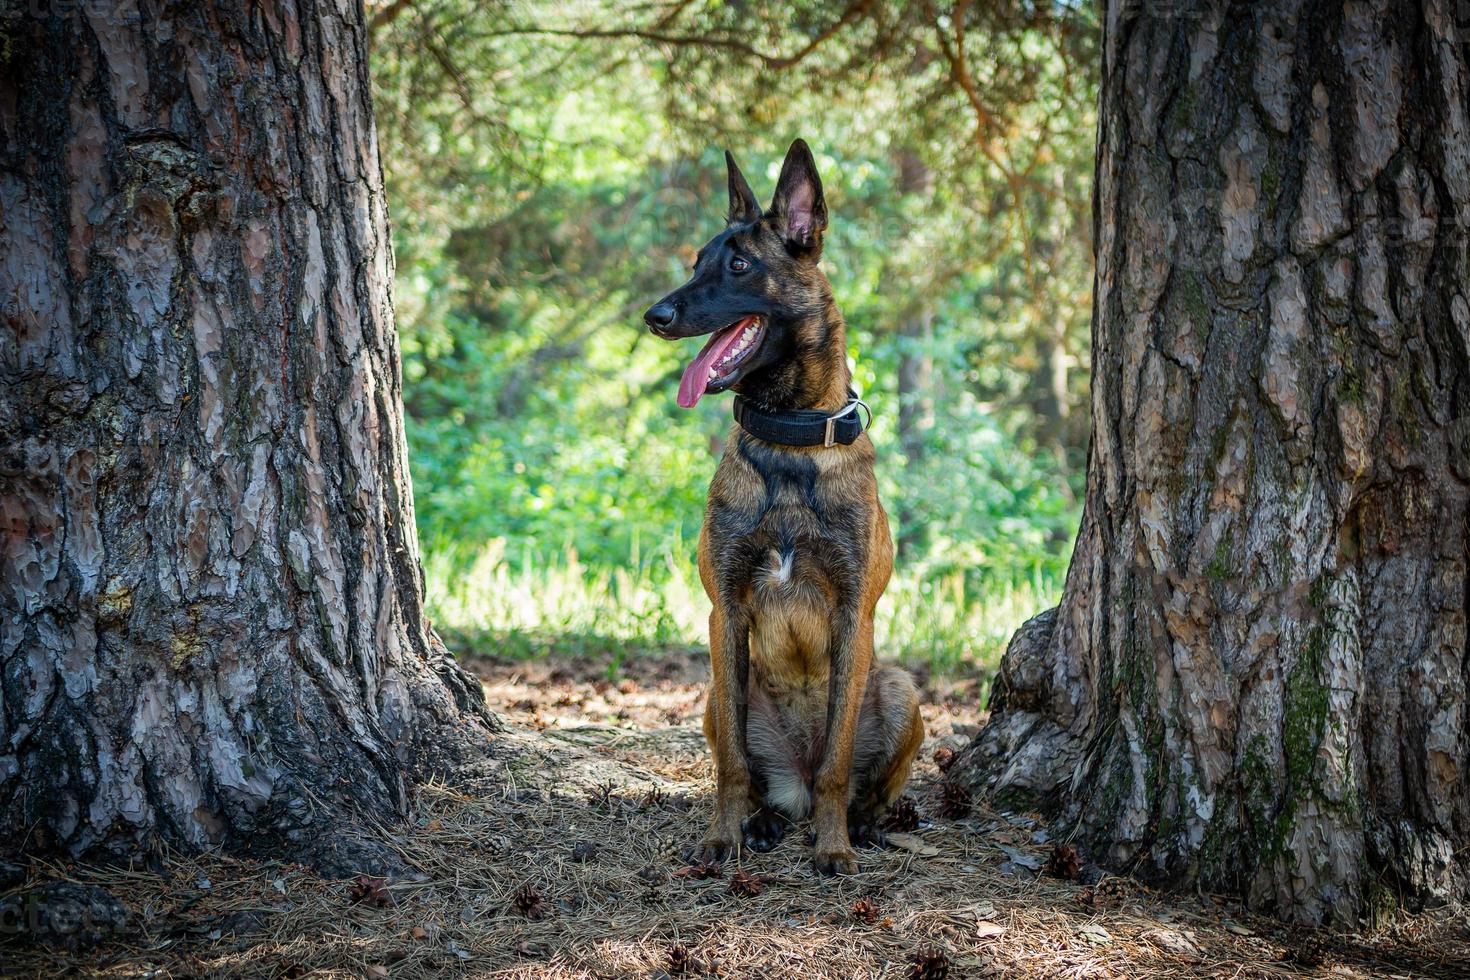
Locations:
(795, 549)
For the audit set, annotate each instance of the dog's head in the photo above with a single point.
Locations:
(756, 288)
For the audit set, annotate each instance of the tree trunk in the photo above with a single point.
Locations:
(1256, 679)
(915, 411)
(915, 360)
(211, 602)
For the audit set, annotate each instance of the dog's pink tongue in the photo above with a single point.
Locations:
(696, 375)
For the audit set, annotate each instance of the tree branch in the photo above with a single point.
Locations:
(388, 15)
(658, 36)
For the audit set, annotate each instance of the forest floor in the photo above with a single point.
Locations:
(564, 862)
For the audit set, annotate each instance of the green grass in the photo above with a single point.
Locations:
(528, 604)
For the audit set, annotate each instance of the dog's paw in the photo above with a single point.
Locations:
(710, 851)
(866, 833)
(764, 830)
(835, 860)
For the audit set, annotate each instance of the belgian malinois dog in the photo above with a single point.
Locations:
(795, 548)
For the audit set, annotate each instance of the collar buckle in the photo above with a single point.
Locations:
(829, 438)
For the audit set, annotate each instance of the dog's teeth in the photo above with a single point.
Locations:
(742, 345)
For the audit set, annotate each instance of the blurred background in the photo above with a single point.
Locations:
(552, 169)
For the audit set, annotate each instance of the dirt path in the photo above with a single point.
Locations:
(562, 860)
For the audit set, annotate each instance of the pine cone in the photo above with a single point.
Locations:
(1308, 950)
(1107, 893)
(366, 890)
(944, 757)
(865, 910)
(1065, 862)
(653, 879)
(529, 901)
(954, 801)
(902, 816)
(930, 964)
(746, 885)
(679, 960)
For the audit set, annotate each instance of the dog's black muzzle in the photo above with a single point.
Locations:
(660, 317)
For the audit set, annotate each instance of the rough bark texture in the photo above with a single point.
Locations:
(210, 592)
(1256, 679)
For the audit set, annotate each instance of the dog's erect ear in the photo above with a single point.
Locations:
(798, 207)
(743, 205)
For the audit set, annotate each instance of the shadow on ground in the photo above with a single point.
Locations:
(562, 860)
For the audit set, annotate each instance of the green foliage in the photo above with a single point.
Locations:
(547, 188)
(530, 603)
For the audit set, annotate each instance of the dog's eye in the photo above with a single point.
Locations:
(738, 264)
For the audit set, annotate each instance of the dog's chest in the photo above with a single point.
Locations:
(788, 526)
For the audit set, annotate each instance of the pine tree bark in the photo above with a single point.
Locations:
(210, 592)
(1256, 679)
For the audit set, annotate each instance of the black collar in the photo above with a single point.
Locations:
(802, 427)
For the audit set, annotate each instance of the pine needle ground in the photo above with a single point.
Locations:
(562, 860)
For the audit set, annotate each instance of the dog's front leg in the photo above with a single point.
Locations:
(852, 657)
(729, 639)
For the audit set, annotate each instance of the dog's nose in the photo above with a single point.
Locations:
(659, 316)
